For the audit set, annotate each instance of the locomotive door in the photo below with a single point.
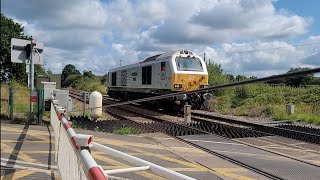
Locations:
(163, 75)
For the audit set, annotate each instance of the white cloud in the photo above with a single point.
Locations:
(94, 35)
(262, 58)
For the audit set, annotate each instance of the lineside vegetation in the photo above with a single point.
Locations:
(267, 99)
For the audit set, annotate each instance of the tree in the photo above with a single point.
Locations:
(104, 78)
(215, 73)
(49, 71)
(88, 74)
(230, 77)
(68, 70)
(299, 80)
(9, 70)
(240, 78)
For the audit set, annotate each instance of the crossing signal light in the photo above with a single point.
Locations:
(28, 50)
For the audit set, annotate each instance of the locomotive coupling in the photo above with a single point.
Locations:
(207, 96)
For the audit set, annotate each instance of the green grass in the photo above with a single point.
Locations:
(123, 131)
(20, 100)
(263, 100)
(312, 119)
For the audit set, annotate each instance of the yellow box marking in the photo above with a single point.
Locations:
(187, 169)
(148, 146)
(15, 141)
(21, 155)
(117, 163)
(37, 152)
(34, 133)
(6, 128)
(230, 172)
(18, 174)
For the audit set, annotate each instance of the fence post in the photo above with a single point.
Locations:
(84, 103)
(11, 103)
(40, 101)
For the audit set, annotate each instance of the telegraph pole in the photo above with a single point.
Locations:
(31, 74)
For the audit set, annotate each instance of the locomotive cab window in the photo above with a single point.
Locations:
(114, 79)
(189, 64)
(146, 75)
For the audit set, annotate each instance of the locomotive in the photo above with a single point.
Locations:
(161, 74)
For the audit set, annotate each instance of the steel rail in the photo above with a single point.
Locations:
(261, 172)
(315, 138)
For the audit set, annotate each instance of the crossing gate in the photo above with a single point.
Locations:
(72, 154)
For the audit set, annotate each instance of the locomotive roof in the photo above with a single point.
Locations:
(155, 58)
(160, 56)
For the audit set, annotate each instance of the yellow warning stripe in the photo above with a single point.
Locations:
(18, 174)
(117, 163)
(142, 145)
(21, 155)
(38, 134)
(228, 172)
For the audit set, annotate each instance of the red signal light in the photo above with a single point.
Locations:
(33, 42)
(89, 140)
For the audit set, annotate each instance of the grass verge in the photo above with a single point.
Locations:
(123, 131)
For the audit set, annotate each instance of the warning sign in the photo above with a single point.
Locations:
(33, 96)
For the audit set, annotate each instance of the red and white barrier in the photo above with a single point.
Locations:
(75, 161)
(73, 157)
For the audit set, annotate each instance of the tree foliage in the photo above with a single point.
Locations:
(9, 70)
(88, 74)
(68, 70)
(104, 78)
(215, 73)
(299, 80)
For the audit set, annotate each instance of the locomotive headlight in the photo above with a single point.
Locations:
(177, 86)
(203, 86)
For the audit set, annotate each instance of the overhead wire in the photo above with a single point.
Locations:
(255, 50)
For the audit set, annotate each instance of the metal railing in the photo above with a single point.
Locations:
(74, 161)
(72, 154)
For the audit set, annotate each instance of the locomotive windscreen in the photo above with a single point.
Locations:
(189, 64)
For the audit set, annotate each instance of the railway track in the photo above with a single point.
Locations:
(230, 129)
(200, 126)
(306, 134)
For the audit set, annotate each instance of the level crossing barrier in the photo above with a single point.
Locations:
(72, 154)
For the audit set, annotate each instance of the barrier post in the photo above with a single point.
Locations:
(187, 113)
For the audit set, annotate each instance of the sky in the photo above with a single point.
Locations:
(247, 37)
